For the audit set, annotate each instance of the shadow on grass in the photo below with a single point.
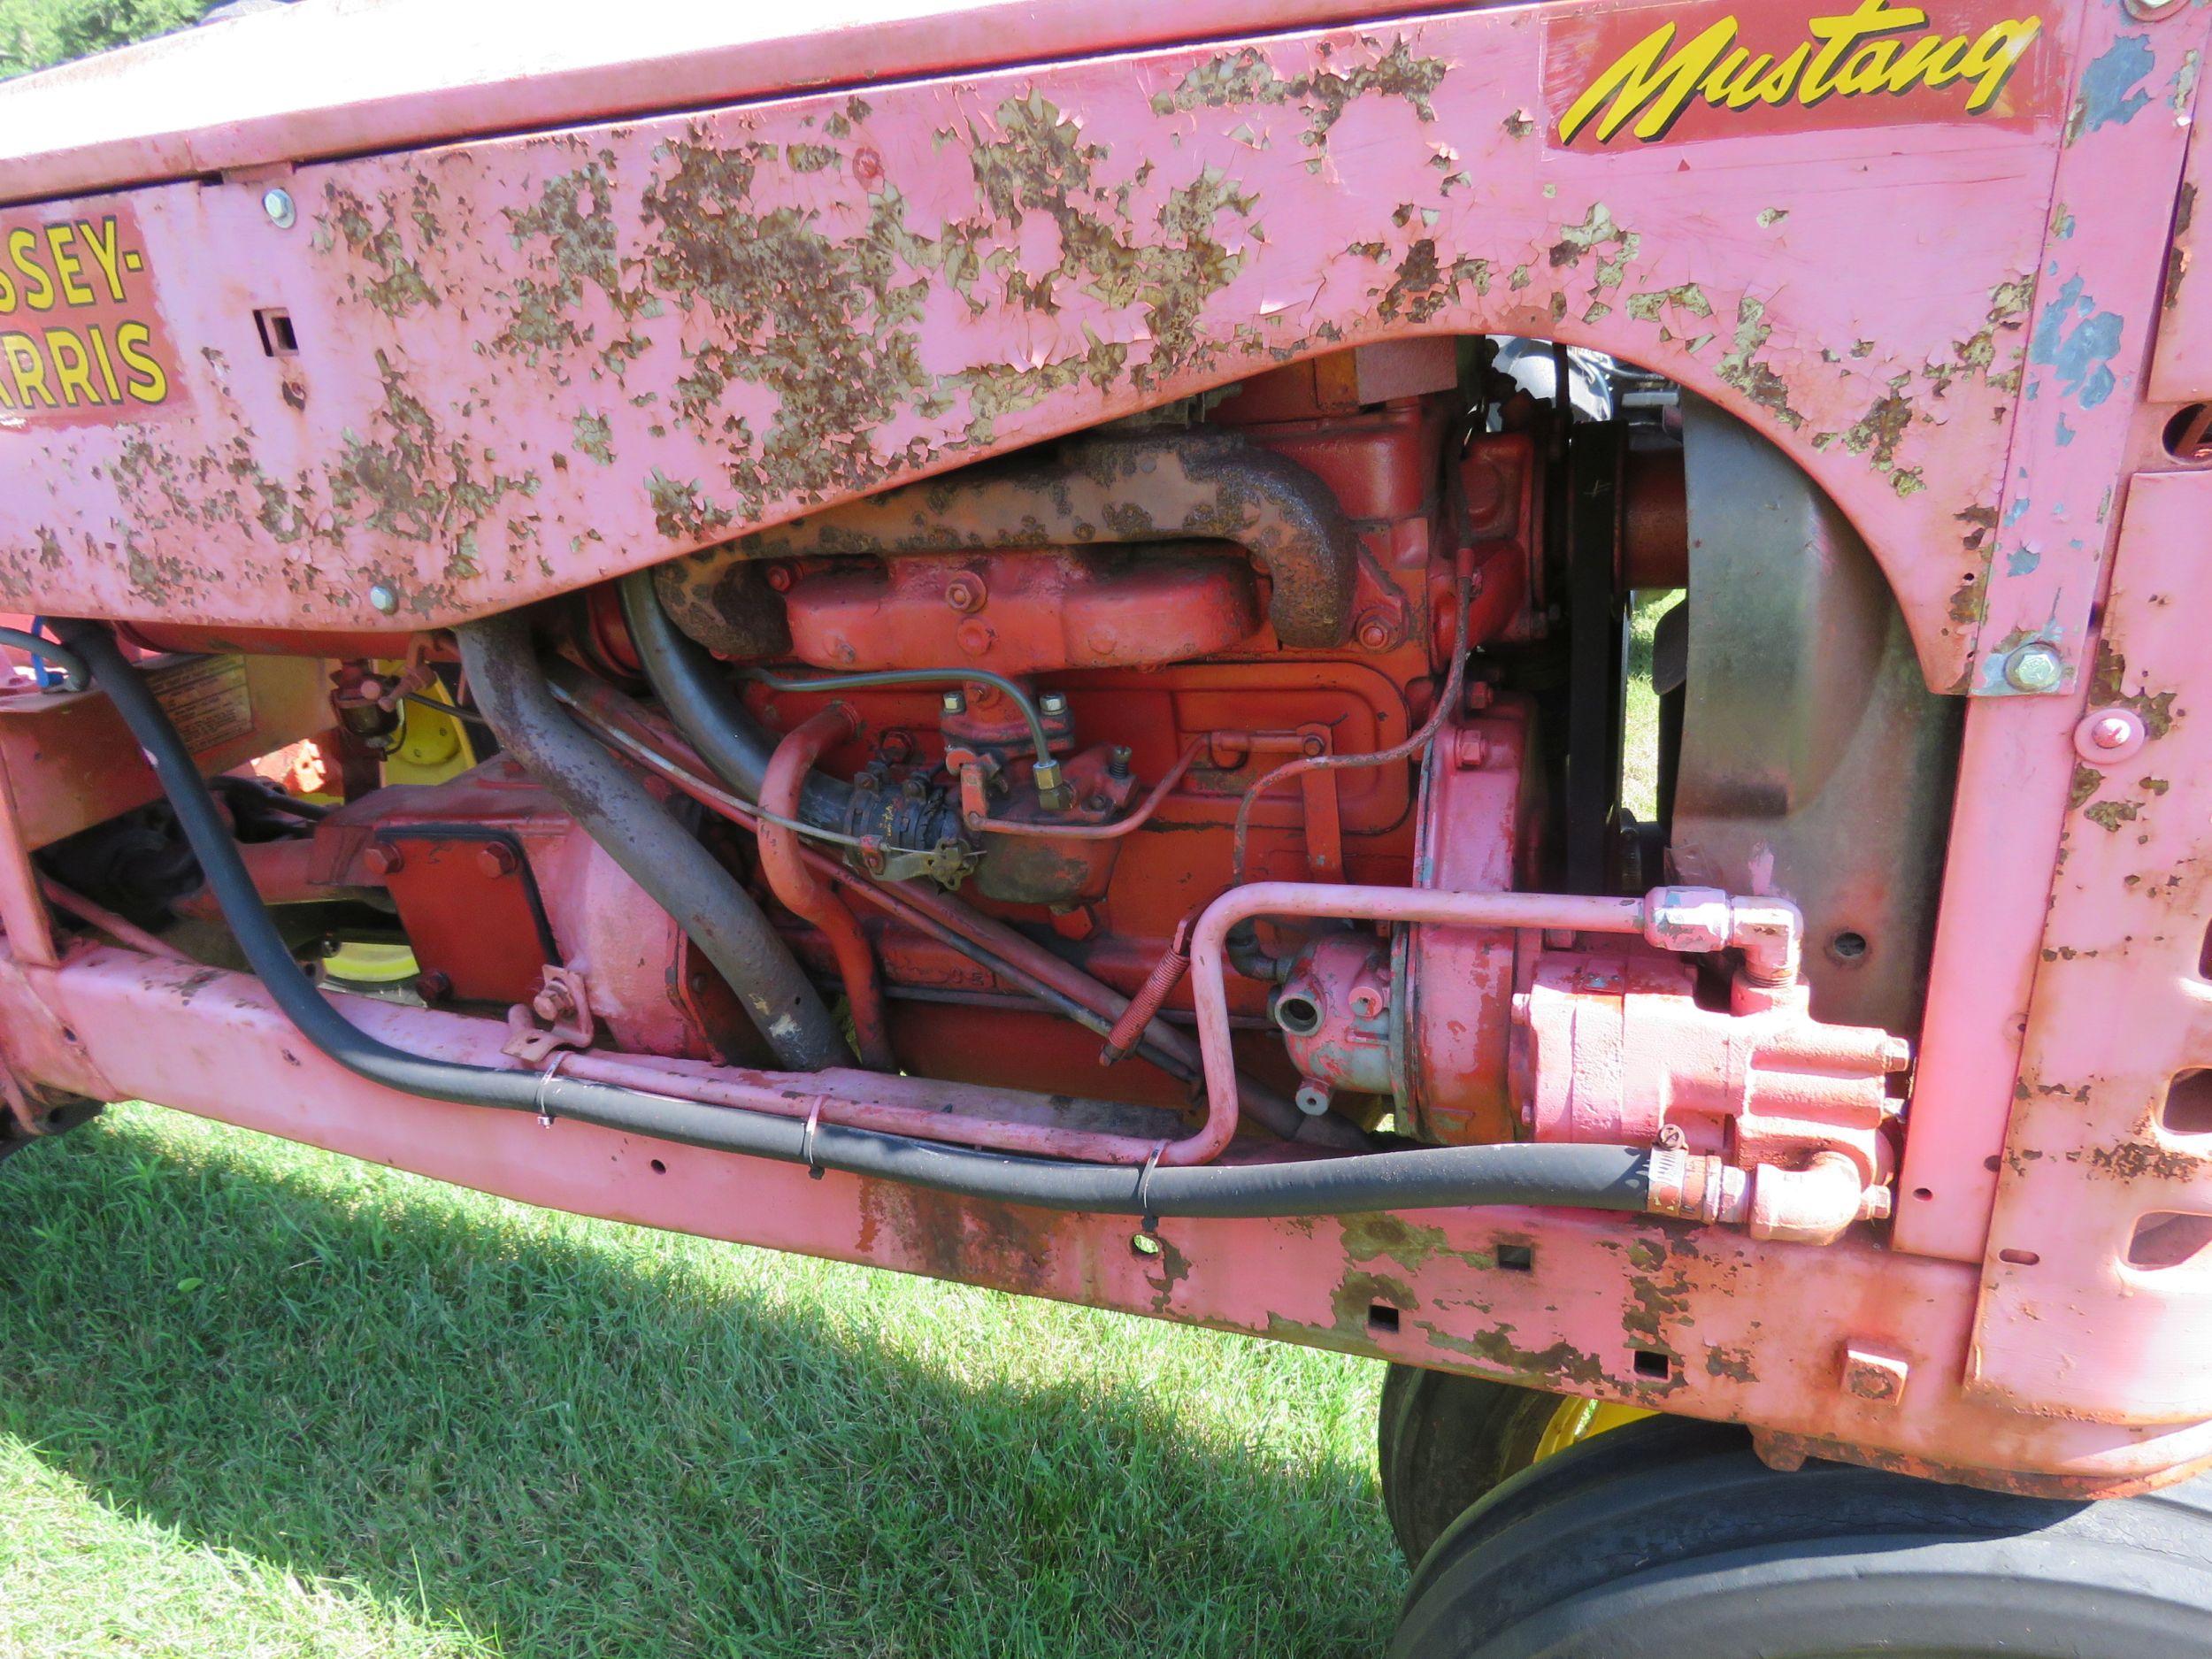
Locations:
(580, 1440)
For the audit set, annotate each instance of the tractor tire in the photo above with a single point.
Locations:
(1670, 1540)
(1443, 1440)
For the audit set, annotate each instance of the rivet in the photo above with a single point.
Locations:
(384, 598)
(2035, 667)
(278, 205)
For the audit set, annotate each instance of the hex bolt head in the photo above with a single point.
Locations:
(278, 205)
(780, 578)
(433, 986)
(495, 859)
(384, 598)
(383, 858)
(1375, 633)
(964, 593)
(1053, 703)
(953, 703)
(2035, 667)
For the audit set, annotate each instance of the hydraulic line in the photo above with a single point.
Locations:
(674, 867)
(1576, 1177)
(709, 714)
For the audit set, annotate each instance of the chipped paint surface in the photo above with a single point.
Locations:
(2096, 308)
(2094, 1146)
(528, 364)
(1753, 1332)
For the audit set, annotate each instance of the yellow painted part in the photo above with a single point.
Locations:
(371, 965)
(431, 747)
(1578, 1420)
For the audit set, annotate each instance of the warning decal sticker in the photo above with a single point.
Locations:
(80, 342)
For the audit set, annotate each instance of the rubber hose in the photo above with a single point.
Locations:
(712, 717)
(1567, 1177)
(675, 868)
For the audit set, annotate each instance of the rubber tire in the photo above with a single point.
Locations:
(1670, 1540)
(1443, 1440)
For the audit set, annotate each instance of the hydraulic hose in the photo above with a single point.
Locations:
(710, 715)
(1576, 1177)
(674, 867)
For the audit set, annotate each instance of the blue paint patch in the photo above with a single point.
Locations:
(2077, 342)
(2023, 560)
(2015, 513)
(2063, 433)
(2109, 95)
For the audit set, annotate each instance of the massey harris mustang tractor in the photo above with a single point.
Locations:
(999, 643)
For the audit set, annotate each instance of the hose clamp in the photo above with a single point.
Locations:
(1147, 1222)
(806, 1140)
(545, 1079)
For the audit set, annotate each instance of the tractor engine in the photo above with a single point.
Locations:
(986, 748)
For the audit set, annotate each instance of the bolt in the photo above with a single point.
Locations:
(1310, 747)
(964, 593)
(1053, 703)
(1098, 804)
(2111, 730)
(780, 578)
(1470, 749)
(1375, 632)
(384, 599)
(278, 205)
(554, 1003)
(433, 986)
(495, 859)
(2035, 667)
(1118, 761)
(383, 858)
(953, 703)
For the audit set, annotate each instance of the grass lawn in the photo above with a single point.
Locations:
(256, 1399)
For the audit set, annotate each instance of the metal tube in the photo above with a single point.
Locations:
(783, 862)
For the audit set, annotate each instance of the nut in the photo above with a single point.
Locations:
(1375, 632)
(780, 578)
(495, 859)
(383, 858)
(965, 593)
(278, 205)
(2035, 667)
(953, 703)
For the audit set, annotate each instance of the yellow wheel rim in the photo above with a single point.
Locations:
(1578, 1420)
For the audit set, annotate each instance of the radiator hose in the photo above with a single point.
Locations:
(1572, 1177)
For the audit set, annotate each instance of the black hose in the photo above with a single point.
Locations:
(710, 715)
(1575, 1177)
(674, 867)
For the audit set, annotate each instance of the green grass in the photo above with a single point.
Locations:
(257, 1398)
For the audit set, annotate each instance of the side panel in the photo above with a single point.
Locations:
(1726, 1327)
(525, 364)
(2098, 1295)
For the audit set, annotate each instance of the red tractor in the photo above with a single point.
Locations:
(1510, 688)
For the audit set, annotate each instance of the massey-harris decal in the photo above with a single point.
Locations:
(1639, 74)
(80, 342)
